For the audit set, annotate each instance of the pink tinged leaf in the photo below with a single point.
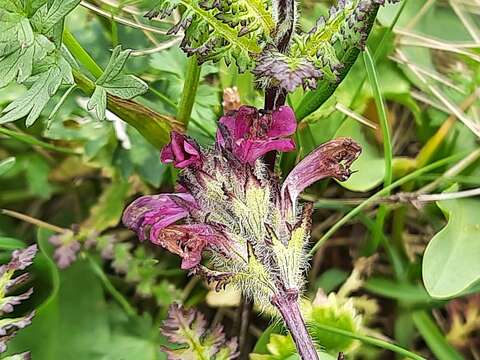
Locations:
(155, 212)
(182, 151)
(189, 241)
(332, 159)
(253, 134)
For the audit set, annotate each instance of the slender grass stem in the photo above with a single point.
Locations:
(34, 221)
(372, 341)
(117, 295)
(382, 114)
(387, 143)
(433, 336)
(28, 139)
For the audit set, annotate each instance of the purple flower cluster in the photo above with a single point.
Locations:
(201, 217)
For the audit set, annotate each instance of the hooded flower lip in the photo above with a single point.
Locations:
(182, 151)
(154, 217)
(253, 134)
(149, 214)
(332, 159)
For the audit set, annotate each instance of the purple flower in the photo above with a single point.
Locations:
(153, 217)
(332, 159)
(251, 134)
(181, 152)
(189, 241)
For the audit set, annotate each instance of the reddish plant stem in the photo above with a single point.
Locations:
(287, 305)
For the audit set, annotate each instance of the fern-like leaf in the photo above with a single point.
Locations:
(221, 29)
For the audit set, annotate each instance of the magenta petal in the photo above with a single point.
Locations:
(181, 151)
(249, 151)
(149, 214)
(237, 123)
(283, 123)
(332, 159)
(244, 121)
(253, 133)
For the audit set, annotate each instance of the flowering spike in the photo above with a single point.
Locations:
(235, 208)
(20, 260)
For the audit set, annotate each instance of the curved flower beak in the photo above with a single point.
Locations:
(252, 134)
(332, 159)
(182, 151)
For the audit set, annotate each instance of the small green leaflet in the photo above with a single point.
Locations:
(15, 32)
(47, 16)
(18, 65)
(115, 83)
(26, 48)
(98, 102)
(12, 5)
(34, 100)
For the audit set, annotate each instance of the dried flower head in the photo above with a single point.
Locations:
(234, 208)
(231, 99)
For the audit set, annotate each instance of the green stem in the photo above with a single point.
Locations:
(382, 114)
(372, 341)
(387, 144)
(81, 54)
(354, 212)
(129, 310)
(190, 87)
(434, 338)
